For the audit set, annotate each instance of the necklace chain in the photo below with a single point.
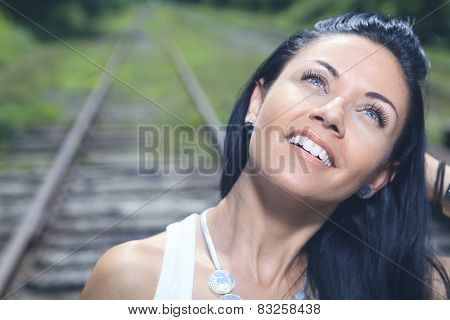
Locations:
(222, 282)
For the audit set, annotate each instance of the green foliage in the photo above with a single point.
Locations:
(258, 5)
(431, 24)
(63, 17)
(14, 41)
(432, 16)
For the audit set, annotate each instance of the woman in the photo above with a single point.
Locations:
(326, 200)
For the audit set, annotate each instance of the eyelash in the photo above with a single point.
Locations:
(382, 115)
(317, 75)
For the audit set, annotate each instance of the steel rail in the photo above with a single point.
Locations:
(37, 215)
(194, 89)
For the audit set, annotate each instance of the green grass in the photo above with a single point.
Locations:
(221, 65)
(155, 82)
(35, 89)
(39, 79)
(15, 41)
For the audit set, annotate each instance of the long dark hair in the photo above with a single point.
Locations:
(395, 221)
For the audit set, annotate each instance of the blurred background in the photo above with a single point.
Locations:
(51, 57)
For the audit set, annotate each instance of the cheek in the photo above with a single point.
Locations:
(362, 159)
(282, 99)
(264, 148)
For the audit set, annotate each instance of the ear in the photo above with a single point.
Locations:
(255, 102)
(384, 176)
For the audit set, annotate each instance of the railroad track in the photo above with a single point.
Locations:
(98, 198)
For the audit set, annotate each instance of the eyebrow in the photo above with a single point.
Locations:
(329, 67)
(376, 95)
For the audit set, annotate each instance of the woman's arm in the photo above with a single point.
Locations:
(438, 286)
(431, 167)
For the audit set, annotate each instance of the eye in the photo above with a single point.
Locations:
(377, 113)
(316, 78)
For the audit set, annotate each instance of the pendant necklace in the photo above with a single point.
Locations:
(222, 282)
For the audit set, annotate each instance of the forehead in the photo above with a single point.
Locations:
(364, 64)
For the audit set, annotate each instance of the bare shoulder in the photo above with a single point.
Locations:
(437, 283)
(127, 271)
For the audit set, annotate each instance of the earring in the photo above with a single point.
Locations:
(249, 126)
(364, 192)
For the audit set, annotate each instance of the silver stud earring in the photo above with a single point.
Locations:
(365, 192)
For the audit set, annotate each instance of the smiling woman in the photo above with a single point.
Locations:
(327, 199)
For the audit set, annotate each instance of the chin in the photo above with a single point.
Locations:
(287, 169)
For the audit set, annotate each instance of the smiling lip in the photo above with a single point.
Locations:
(306, 155)
(311, 135)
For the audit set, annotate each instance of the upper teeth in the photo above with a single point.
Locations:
(312, 147)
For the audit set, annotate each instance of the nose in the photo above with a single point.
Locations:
(331, 115)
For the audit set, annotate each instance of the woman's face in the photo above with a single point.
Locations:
(347, 92)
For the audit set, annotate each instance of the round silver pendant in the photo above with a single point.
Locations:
(300, 295)
(230, 296)
(221, 282)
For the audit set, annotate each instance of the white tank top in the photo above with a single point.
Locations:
(176, 280)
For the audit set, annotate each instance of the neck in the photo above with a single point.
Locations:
(261, 230)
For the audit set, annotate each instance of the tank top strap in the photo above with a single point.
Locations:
(176, 279)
